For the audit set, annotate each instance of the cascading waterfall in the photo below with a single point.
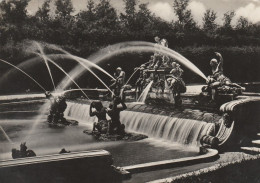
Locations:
(79, 112)
(176, 129)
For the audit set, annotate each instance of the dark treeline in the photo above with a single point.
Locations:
(100, 25)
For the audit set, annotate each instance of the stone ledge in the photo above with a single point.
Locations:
(83, 166)
(54, 157)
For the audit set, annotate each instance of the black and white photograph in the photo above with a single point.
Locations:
(129, 91)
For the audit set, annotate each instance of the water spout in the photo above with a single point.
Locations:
(78, 58)
(81, 59)
(144, 94)
(6, 136)
(59, 67)
(24, 73)
(46, 62)
(132, 75)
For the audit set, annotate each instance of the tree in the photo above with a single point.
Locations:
(90, 9)
(144, 20)
(14, 20)
(43, 12)
(87, 16)
(106, 14)
(85, 24)
(227, 28)
(64, 8)
(129, 18)
(209, 24)
(14, 11)
(106, 22)
(228, 17)
(130, 8)
(243, 23)
(185, 18)
(144, 11)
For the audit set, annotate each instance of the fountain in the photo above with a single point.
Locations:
(175, 132)
(46, 63)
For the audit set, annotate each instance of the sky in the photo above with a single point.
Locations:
(163, 8)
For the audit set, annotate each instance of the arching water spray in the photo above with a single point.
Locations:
(113, 49)
(81, 59)
(78, 58)
(132, 75)
(128, 47)
(46, 62)
(5, 134)
(24, 73)
(144, 94)
(59, 67)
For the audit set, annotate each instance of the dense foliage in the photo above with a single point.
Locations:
(100, 24)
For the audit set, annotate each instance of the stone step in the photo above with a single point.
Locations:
(251, 150)
(256, 143)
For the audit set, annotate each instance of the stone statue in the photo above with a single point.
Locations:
(176, 83)
(101, 126)
(218, 82)
(114, 113)
(57, 107)
(23, 152)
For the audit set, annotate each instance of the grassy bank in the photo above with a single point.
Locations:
(246, 169)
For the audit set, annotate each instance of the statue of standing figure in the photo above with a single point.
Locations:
(160, 59)
(119, 81)
(140, 83)
(176, 83)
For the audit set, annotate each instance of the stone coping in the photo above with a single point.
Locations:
(211, 154)
(54, 157)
